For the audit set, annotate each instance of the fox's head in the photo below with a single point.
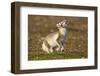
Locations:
(62, 24)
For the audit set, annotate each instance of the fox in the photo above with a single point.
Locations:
(55, 41)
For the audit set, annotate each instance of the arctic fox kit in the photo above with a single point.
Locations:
(55, 41)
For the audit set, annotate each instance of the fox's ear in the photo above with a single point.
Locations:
(64, 20)
(68, 22)
(58, 25)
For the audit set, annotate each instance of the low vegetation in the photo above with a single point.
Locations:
(76, 41)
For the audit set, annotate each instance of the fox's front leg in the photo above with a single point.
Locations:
(62, 46)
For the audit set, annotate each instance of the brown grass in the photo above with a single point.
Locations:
(76, 41)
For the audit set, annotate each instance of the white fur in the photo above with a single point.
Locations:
(51, 39)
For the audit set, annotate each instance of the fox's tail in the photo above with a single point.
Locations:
(44, 47)
(42, 39)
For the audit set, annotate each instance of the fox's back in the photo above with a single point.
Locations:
(52, 36)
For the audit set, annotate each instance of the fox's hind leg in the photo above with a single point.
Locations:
(58, 46)
(51, 49)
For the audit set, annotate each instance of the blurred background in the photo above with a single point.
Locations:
(76, 42)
